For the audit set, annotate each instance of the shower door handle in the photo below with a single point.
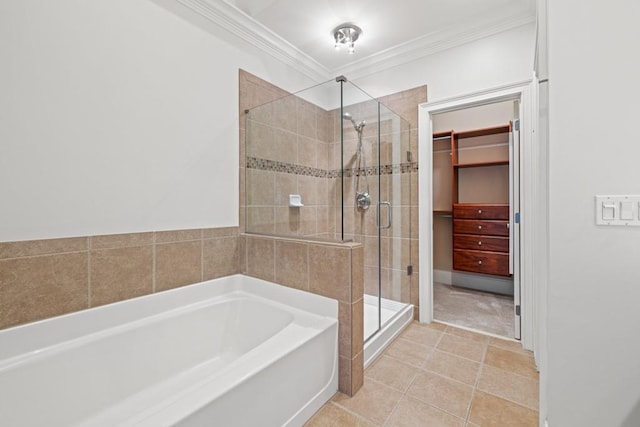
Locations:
(388, 224)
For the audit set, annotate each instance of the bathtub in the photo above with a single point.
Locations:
(235, 351)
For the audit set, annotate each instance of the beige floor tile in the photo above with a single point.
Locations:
(467, 334)
(331, 415)
(451, 396)
(392, 372)
(451, 366)
(424, 335)
(374, 401)
(492, 411)
(434, 325)
(464, 347)
(414, 413)
(508, 345)
(516, 362)
(510, 386)
(409, 351)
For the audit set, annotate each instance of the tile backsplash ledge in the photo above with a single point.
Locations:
(45, 278)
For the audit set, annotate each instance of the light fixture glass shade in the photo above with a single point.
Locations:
(346, 35)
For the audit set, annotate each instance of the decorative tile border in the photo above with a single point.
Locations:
(275, 166)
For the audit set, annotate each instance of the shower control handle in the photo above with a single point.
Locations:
(388, 224)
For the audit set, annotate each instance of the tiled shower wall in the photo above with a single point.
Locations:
(287, 152)
(400, 249)
(45, 278)
(398, 185)
(295, 121)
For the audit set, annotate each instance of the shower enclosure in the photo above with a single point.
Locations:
(330, 162)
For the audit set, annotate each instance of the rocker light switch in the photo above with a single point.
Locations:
(618, 210)
(626, 211)
(608, 211)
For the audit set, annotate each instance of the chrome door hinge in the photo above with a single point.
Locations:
(517, 310)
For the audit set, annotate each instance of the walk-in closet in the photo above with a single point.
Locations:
(475, 172)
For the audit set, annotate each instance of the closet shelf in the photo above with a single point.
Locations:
(481, 164)
(483, 132)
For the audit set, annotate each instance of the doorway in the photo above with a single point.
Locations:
(524, 160)
(474, 194)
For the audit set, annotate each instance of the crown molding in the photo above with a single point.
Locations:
(248, 29)
(430, 44)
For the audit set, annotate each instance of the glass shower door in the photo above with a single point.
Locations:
(395, 214)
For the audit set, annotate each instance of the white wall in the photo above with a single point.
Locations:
(119, 116)
(490, 62)
(594, 279)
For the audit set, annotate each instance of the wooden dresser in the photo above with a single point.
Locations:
(481, 238)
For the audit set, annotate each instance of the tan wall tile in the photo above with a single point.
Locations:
(286, 184)
(344, 329)
(261, 219)
(39, 287)
(308, 189)
(260, 188)
(285, 114)
(292, 264)
(119, 274)
(307, 152)
(210, 233)
(113, 241)
(178, 235)
(261, 257)
(307, 122)
(178, 264)
(42, 247)
(357, 327)
(357, 372)
(330, 272)
(221, 257)
(357, 273)
(344, 375)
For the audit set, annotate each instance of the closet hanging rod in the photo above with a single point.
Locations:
(441, 137)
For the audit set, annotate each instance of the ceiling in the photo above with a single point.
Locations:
(393, 32)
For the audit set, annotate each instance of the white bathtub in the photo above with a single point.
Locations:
(235, 351)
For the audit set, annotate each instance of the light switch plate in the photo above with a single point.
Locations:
(618, 210)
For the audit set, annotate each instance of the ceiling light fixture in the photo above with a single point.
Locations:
(346, 35)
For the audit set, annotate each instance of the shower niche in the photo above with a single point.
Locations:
(346, 155)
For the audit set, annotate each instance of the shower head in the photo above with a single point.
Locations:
(357, 126)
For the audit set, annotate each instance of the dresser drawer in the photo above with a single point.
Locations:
(481, 262)
(481, 243)
(471, 226)
(480, 211)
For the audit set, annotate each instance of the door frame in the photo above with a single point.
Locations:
(530, 194)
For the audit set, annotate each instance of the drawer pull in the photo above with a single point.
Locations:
(479, 262)
(479, 243)
(479, 227)
(479, 211)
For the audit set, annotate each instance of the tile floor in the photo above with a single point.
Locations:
(437, 375)
(473, 309)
